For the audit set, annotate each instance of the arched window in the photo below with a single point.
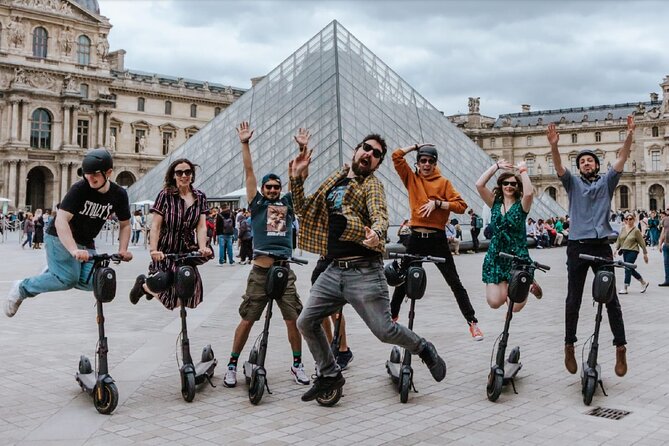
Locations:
(40, 129)
(83, 90)
(624, 192)
(84, 50)
(574, 138)
(140, 104)
(598, 136)
(655, 161)
(193, 111)
(40, 39)
(168, 107)
(217, 111)
(552, 192)
(655, 131)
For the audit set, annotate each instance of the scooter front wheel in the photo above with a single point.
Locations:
(105, 397)
(188, 387)
(405, 384)
(257, 389)
(331, 398)
(589, 389)
(495, 383)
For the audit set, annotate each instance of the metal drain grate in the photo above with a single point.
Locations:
(609, 414)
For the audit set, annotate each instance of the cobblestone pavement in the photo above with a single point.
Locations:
(41, 404)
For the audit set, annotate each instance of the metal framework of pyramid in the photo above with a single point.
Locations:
(338, 89)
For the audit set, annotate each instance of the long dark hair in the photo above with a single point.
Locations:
(503, 177)
(170, 182)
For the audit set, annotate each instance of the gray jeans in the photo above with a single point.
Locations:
(365, 288)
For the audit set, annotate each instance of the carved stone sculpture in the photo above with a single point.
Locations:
(66, 40)
(16, 31)
(102, 47)
(474, 104)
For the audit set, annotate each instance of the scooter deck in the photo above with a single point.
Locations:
(87, 381)
(511, 369)
(204, 370)
(393, 369)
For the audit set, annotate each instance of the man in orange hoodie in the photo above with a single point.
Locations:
(432, 198)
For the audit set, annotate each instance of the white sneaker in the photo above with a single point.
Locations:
(13, 302)
(299, 374)
(644, 286)
(230, 379)
(623, 291)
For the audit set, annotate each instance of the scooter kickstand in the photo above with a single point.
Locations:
(601, 385)
(208, 378)
(513, 385)
(267, 387)
(413, 386)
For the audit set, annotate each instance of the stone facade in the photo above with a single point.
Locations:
(62, 92)
(522, 137)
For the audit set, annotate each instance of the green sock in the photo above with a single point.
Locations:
(234, 357)
(297, 359)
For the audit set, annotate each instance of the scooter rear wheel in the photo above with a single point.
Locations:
(495, 383)
(105, 397)
(404, 386)
(257, 389)
(188, 387)
(331, 398)
(589, 389)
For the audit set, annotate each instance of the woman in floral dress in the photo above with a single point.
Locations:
(510, 203)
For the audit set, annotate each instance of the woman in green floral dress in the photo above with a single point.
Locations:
(510, 203)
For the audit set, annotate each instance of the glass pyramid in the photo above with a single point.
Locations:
(338, 89)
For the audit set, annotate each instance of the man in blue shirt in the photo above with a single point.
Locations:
(590, 197)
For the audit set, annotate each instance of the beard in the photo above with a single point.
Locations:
(360, 169)
(590, 175)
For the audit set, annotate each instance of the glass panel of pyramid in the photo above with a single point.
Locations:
(339, 90)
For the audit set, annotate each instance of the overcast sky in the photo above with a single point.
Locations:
(550, 54)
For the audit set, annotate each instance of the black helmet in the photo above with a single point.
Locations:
(96, 160)
(428, 150)
(395, 274)
(585, 152)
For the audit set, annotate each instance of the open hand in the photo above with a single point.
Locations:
(427, 208)
(302, 138)
(552, 135)
(504, 164)
(244, 132)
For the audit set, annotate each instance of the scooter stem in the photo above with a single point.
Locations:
(501, 350)
(185, 342)
(103, 368)
(594, 349)
(262, 351)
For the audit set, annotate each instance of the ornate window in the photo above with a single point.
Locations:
(552, 192)
(168, 107)
(574, 138)
(655, 132)
(529, 141)
(82, 133)
(624, 192)
(598, 136)
(492, 142)
(655, 160)
(40, 129)
(190, 131)
(193, 111)
(167, 142)
(84, 50)
(574, 166)
(83, 90)
(40, 39)
(529, 161)
(140, 104)
(549, 163)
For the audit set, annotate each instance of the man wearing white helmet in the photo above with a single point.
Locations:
(70, 236)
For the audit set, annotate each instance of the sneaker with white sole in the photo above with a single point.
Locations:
(644, 286)
(299, 374)
(14, 300)
(230, 379)
(623, 291)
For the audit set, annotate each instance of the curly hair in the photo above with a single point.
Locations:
(497, 191)
(170, 183)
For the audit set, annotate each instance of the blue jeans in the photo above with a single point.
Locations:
(665, 254)
(63, 271)
(366, 289)
(29, 239)
(225, 248)
(630, 256)
(135, 235)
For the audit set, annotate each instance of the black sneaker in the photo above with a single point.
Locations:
(323, 384)
(433, 361)
(137, 290)
(344, 359)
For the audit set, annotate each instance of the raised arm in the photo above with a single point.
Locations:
(245, 133)
(624, 153)
(553, 138)
(528, 189)
(298, 170)
(483, 190)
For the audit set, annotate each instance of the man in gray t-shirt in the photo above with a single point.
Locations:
(590, 197)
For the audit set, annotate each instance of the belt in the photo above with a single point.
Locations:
(592, 241)
(421, 234)
(357, 263)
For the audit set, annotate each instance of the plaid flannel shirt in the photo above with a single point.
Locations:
(364, 204)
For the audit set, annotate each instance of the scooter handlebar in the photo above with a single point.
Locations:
(523, 261)
(277, 256)
(607, 262)
(183, 255)
(416, 258)
(116, 258)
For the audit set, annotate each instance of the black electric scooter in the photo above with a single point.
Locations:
(398, 366)
(275, 286)
(331, 398)
(603, 289)
(504, 371)
(191, 374)
(97, 382)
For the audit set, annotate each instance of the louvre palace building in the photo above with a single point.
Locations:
(522, 137)
(62, 91)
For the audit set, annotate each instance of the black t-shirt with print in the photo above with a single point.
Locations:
(337, 225)
(90, 209)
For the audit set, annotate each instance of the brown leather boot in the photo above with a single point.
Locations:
(569, 359)
(621, 360)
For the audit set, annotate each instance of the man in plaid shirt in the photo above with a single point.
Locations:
(346, 219)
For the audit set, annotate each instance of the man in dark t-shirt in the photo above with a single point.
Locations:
(69, 238)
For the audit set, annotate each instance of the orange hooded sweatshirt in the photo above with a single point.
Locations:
(421, 189)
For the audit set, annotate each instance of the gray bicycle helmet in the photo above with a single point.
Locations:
(428, 150)
(96, 160)
(585, 152)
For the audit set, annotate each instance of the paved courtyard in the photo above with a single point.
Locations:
(41, 404)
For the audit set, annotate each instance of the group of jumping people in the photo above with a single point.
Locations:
(344, 222)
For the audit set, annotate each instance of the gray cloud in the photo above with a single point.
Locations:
(548, 54)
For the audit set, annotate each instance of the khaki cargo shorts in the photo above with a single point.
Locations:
(254, 300)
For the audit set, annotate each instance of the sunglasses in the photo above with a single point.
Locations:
(272, 186)
(375, 152)
(629, 218)
(427, 160)
(183, 173)
(510, 183)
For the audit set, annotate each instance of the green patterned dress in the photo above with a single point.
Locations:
(509, 236)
